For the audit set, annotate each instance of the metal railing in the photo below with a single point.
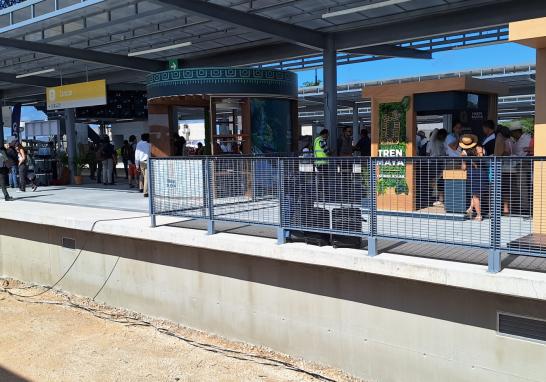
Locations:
(491, 203)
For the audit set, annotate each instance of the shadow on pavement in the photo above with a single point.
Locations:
(8, 376)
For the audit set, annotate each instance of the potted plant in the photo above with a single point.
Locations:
(80, 162)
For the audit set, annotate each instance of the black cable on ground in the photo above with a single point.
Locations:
(132, 321)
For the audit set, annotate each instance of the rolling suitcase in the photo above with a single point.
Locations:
(312, 218)
(348, 220)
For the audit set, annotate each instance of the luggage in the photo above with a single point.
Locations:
(310, 238)
(348, 220)
(311, 218)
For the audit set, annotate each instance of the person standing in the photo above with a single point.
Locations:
(92, 161)
(142, 154)
(477, 176)
(4, 171)
(524, 168)
(13, 168)
(522, 140)
(452, 140)
(364, 144)
(321, 152)
(22, 162)
(132, 168)
(345, 143)
(436, 148)
(125, 156)
(107, 157)
(489, 141)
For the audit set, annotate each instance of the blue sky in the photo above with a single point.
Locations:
(443, 62)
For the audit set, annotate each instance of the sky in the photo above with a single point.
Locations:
(442, 62)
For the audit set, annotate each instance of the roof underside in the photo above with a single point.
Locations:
(119, 27)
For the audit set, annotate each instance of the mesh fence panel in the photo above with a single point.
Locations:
(326, 196)
(179, 187)
(481, 202)
(246, 190)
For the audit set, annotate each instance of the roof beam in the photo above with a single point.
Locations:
(252, 55)
(289, 32)
(118, 60)
(391, 51)
(439, 24)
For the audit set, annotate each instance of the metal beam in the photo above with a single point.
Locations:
(438, 24)
(290, 32)
(330, 91)
(391, 51)
(32, 81)
(118, 60)
(249, 55)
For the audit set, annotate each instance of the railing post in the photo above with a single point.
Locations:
(149, 174)
(281, 232)
(208, 197)
(372, 234)
(494, 258)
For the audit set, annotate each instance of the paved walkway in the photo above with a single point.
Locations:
(117, 197)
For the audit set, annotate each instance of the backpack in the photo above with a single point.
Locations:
(104, 151)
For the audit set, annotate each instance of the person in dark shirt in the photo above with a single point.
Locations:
(125, 156)
(489, 141)
(364, 144)
(108, 154)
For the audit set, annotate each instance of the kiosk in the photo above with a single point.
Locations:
(244, 110)
(396, 109)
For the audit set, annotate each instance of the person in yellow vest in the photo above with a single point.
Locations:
(321, 152)
(321, 149)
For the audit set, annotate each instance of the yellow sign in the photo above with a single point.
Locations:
(91, 93)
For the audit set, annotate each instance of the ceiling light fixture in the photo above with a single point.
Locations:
(35, 73)
(363, 8)
(160, 49)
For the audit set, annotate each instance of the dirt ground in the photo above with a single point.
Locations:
(61, 337)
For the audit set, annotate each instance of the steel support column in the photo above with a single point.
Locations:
(71, 150)
(356, 123)
(330, 90)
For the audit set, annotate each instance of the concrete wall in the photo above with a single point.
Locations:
(379, 328)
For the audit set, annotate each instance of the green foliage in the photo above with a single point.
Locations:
(63, 158)
(400, 186)
(528, 125)
(310, 84)
(400, 108)
(80, 161)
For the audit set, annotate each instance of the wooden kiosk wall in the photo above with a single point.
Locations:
(398, 92)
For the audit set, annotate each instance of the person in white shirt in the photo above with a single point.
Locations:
(142, 153)
(522, 140)
(523, 171)
(452, 140)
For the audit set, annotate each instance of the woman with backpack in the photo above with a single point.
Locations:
(4, 171)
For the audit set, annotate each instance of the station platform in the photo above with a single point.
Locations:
(117, 211)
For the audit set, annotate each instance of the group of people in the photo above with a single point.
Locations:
(499, 140)
(344, 146)
(14, 169)
(103, 159)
